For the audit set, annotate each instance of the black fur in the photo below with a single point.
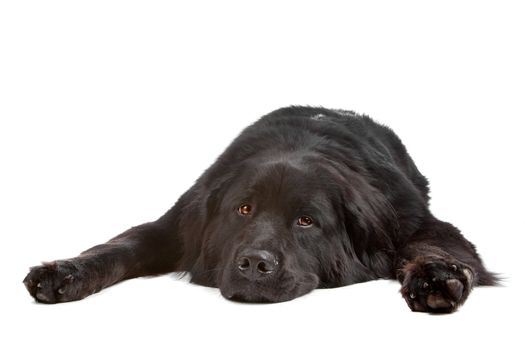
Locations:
(350, 175)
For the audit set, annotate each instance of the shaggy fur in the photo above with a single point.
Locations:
(304, 198)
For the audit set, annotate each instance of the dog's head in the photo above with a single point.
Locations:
(280, 227)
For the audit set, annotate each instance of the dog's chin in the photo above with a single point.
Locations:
(257, 293)
(242, 297)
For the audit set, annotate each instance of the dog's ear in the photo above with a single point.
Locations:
(370, 222)
(368, 219)
(215, 194)
(191, 214)
(369, 216)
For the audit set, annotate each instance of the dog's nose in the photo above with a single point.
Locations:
(254, 263)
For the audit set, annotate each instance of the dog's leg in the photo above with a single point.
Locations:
(438, 267)
(148, 249)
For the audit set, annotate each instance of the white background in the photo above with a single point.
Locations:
(110, 110)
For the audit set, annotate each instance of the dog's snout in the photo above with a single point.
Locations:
(254, 264)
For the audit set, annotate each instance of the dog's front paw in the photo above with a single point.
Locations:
(55, 282)
(435, 285)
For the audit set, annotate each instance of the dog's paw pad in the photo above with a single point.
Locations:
(54, 282)
(436, 286)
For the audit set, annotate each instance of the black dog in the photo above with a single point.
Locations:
(304, 198)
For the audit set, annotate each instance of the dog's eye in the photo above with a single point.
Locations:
(305, 221)
(245, 209)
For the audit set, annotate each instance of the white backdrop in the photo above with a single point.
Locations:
(109, 110)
